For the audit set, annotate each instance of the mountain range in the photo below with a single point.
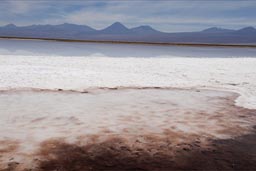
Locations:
(118, 32)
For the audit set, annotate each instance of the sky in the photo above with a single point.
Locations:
(164, 15)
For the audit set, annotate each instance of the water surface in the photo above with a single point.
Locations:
(52, 48)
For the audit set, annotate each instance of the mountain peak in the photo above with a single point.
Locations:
(74, 27)
(216, 30)
(118, 25)
(145, 29)
(248, 29)
(10, 26)
(116, 28)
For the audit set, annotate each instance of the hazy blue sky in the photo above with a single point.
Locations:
(167, 15)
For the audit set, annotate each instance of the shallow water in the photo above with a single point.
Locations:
(52, 48)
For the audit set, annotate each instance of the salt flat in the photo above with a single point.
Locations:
(125, 107)
(51, 65)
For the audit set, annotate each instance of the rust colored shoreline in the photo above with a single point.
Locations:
(137, 43)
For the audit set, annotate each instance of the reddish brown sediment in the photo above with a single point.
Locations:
(145, 129)
(153, 153)
(8, 146)
(117, 154)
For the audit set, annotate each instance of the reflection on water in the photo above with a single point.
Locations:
(51, 48)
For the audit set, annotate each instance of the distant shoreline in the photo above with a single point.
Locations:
(140, 43)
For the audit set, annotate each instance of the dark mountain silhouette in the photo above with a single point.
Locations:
(10, 26)
(118, 32)
(247, 30)
(217, 30)
(116, 28)
(145, 30)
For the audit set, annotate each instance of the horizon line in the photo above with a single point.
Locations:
(135, 42)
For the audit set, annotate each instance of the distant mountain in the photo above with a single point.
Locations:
(46, 31)
(74, 27)
(247, 30)
(217, 30)
(118, 32)
(116, 28)
(10, 26)
(60, 27)
(145, 30)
